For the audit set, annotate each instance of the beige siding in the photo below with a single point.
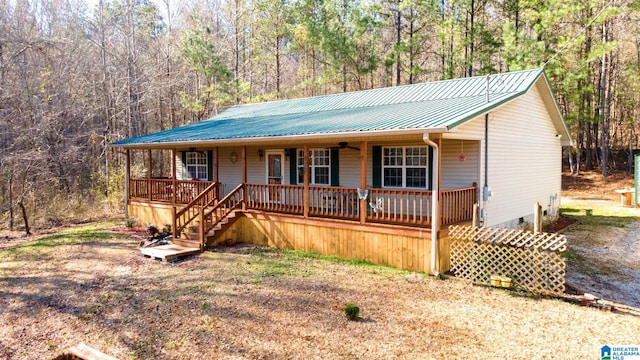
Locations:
(455, 173)
(230, 174)
(350, 168)
(524, 159)
(181, 168)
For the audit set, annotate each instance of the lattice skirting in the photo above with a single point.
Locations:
(531, 269)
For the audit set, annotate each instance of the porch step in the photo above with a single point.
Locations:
(190, 241)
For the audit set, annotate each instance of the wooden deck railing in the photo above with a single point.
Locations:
(457, 205)
(162, 189)
(392, 206)
(277, 198)
(338, 202)
(138, 189)
(400, 206)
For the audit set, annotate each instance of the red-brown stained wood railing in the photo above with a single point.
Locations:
(187, 190)
(162, 189)
(275, 197)
(457, 205)
(337, 202)
(138, 189)
(208, 197)
(214, 215)
(412, 207)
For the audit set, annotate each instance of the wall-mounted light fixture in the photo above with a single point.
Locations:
(260, 154)
(286, 153)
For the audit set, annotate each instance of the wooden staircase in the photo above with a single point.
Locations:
(192, 239)
(212, 216)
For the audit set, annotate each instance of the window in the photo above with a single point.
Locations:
(404, 167)
(196, 163)
(319, 165)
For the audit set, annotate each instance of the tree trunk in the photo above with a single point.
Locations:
(398, 39)
(11, 213)
(604, 127)
(27, 231)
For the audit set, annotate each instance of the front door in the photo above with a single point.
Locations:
(274, 174)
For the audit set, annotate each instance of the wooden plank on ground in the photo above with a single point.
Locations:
(171, 252)
(86, 352)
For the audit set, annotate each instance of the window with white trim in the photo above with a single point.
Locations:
(196, 164)
(319, 166)
(405, 166)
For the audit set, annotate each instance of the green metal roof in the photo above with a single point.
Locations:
(440, 104)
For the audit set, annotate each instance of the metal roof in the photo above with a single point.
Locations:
(440, 104)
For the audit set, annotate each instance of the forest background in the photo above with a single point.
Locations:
(75, 75)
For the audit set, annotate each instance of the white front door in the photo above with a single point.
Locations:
(275, 174)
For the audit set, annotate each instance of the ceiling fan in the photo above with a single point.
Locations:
(345, 145)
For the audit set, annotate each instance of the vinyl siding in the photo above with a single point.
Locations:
(181, 168)
(231, 173)
(524, 160)
(455, 173)
(350, 168)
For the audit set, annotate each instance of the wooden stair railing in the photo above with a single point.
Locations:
(212, 217)
(208, 197)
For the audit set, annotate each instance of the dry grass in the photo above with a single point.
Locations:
(90, 285)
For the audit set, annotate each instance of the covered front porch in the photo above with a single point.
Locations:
(288, 187)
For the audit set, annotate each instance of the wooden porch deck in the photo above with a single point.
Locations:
(168, 253)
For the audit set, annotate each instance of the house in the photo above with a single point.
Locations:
(375, 175)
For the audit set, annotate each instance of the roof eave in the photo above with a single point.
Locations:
(283, 138)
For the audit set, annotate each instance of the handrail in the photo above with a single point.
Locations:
(228, 204)
(186, 215)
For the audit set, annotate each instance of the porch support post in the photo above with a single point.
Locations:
(216, 174)
(244, 176)
(201, 234)
(149, 164)
(363, 179)
(174, 190)
(307, 176)
(174, 184)
(127, 180)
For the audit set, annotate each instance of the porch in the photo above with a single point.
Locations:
(312, 196)
(386, 206)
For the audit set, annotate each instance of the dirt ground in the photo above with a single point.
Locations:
(603, 249)
(249, 303)
(89, 284)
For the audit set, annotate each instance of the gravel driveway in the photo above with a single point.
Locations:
(604, 254)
